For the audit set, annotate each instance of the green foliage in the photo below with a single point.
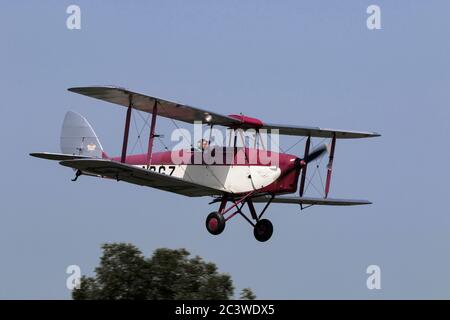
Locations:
(247, 294)
(124, 273)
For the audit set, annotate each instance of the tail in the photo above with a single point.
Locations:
(78, 137)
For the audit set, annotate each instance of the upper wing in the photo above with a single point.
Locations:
(145, 103)
(143, 177)
(312, 201)
(190, 114)
(319, 132)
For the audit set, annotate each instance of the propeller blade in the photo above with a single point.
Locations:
(316, 153)
(311, 156)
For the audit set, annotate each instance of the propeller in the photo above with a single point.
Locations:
(311, 156)
(300, 163)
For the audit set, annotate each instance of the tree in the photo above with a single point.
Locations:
(247, 294)
(124, 273)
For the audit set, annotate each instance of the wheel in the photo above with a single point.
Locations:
(263, 230)
(215, 223)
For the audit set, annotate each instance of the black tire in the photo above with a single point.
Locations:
(263, 230)
(215, 223)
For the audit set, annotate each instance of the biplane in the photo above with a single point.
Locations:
(231, 183)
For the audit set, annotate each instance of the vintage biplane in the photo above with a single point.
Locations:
(231, 184)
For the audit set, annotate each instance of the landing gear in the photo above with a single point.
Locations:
(263, 230)
(77, 174)
(215, 223)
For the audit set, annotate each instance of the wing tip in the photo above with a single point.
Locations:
(83, 88)
(36, 154)
(360, 135)
(76, 89)
(43, 155)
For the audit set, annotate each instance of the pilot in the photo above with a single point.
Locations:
(202, 144)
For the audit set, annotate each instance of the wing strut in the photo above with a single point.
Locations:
(306, 160)
(330, 165)
(127, 130)
(152, 134)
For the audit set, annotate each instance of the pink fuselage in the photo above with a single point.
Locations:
(235, 170)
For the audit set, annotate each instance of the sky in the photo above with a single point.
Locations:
(309, 63)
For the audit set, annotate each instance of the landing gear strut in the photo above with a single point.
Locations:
(262, 228)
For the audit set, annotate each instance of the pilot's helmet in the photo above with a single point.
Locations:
(202, 144)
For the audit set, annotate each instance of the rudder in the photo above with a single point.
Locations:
(78, 137)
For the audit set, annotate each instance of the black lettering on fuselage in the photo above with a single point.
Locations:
(163, 169)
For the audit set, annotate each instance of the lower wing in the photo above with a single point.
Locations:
(311, 201)
(124, 172)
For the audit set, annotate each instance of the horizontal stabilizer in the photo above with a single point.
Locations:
(56, 156)
(312, 201)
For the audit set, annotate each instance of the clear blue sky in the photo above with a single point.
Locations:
(304, 63)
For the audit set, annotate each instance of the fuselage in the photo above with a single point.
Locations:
(229, 169)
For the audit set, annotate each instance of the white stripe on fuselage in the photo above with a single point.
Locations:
(235, 179)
